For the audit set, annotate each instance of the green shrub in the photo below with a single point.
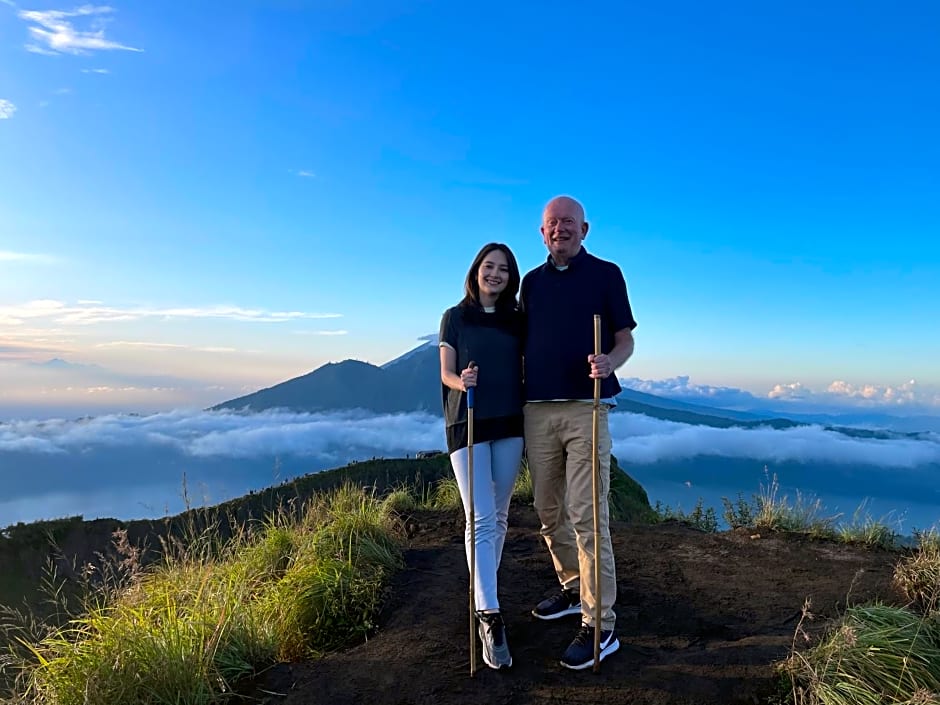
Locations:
(522, 490)
(269, 556)
(628, 500)
(400, 501)
(740, 513)
(320, 606)
(701, 518)
(446, 495)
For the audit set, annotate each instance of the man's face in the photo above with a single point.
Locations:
(563, 229)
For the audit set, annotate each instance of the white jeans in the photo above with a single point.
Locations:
(495, 467)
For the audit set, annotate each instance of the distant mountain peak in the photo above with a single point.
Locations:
(412, 382)
(428, 341)
(57, 363)
(354, 384)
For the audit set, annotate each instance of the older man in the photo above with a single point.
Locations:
(560, 299)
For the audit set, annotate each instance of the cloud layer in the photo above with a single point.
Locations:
(640, 439)
(127, 465)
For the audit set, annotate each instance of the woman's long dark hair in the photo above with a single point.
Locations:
(507, 297)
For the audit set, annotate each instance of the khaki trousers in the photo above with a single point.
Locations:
(558, 437)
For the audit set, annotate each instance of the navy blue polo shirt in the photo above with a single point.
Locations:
(560, 305)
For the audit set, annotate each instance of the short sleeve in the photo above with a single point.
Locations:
(621, 313)
(448, 334)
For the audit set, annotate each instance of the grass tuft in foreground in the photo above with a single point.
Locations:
(188, 630)
(918, 575)
(873, 655)
(879, 654)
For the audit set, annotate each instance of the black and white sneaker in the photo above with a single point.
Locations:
(580, 653)
(493, 635)
(565, 602)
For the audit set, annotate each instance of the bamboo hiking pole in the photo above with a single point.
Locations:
(473, 532)
(595, 476)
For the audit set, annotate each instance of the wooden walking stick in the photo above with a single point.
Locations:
(595, 475)
(473, 532)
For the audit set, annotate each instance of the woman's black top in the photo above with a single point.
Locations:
(494, 342)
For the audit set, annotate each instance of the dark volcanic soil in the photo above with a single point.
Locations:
(701, 619)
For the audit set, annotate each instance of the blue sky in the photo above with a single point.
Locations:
(198, 201)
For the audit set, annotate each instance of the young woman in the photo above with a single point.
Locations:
(486, 328)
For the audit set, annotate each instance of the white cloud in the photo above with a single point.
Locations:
(232, 435)
(642, 439)
(798, 397)
(900, 397)
(42, 381)
(6, 109)
(681, 387)
(161, 346)
(636, 438)
(306, 174)
(318, 434)
(792, 390)
(8, 256)
(54, 31)
(34, 49)
(12, 350)
(886, 394)
(84, 313)
(99, 71)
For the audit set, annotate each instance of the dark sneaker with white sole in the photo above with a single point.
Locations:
(565, 602)
(580, 653)
(493, 635)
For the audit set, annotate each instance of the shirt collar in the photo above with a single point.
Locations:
(571, 262)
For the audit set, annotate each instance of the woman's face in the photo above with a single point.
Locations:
(493, 274)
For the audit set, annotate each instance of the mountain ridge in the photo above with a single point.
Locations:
(411, 383)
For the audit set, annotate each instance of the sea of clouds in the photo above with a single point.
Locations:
(131, 466)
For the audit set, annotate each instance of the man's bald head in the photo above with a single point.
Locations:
(563, 228)
(566, 202)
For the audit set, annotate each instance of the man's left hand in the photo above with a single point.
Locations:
(601, 366)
